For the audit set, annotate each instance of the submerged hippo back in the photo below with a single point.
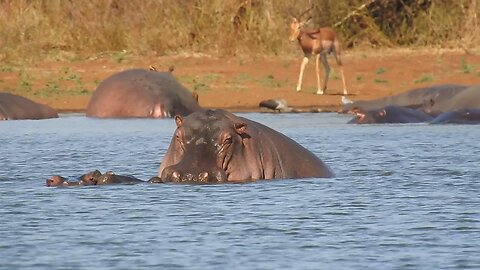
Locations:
(419, 98)
(469, 98)
(13, 107)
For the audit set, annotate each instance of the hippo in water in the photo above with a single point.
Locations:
(14, 107)
(420, 98)
(112, 178)
(93, 178)
(469, 98)
(211, 146)
(463, 116)
(141, 93)
(389, 114)
(59, 181)
(90, 178)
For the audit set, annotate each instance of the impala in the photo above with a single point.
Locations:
(319, 43)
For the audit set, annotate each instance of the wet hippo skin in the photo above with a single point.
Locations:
(212, 146)
(139, 93)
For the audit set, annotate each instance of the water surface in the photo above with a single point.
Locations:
(404, 197)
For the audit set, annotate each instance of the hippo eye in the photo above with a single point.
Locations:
(228, 140)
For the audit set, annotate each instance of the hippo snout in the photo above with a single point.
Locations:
(172, 174)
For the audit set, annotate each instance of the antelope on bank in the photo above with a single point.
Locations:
(319, 43)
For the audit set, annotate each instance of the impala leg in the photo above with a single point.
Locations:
(339, 62)
(317, 71)
(326, 70)
(343, 81)
(300, 77)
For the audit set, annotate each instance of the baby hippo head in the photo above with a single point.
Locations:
(56, 181)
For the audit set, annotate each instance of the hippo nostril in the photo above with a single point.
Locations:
(176, 176)
(203, 177)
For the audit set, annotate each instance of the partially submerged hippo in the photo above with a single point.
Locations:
(90, 178)
(14, 107)
(217, 146)
(420, 98)
(463, 116)
(469, 98)
(112, 178)
(141, 93)
(389, 114)
(59, 181)
(93, 178)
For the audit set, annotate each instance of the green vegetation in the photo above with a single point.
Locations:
(334, 75)
(359, 78)
(238, 81)
(120, 56)
(6, 68)
(424, 78)
(269, 81)
(25, 82)
(241, 78)
(380, 71)
(57, 29)
(378, 80)
(62, 82)
(467, 68)
(200, 83)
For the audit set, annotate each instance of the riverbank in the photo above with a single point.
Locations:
(240, 83)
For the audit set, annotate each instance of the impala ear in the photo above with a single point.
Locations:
(307, 21)
(240, 128)
(178, 120)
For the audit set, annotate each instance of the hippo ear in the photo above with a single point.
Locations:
(178, 120)
(195, 95)
(354, 110)
(383, 112)
(240, 128)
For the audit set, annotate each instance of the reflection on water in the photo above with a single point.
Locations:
(404, 197)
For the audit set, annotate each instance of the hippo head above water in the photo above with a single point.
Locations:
(212, 146)
(90, 178)
(369, 117)
(55, 181)
(207, 144)
(389, 114)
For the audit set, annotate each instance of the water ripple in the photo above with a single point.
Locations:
(404, 197)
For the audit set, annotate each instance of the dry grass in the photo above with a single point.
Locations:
(69, 30)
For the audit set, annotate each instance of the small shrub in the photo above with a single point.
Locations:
(466, 68)
(380, 71)
(269, 81)
(378, 80)
(6, 68)
(424, 78)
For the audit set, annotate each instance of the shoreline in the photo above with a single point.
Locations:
(240, 84)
